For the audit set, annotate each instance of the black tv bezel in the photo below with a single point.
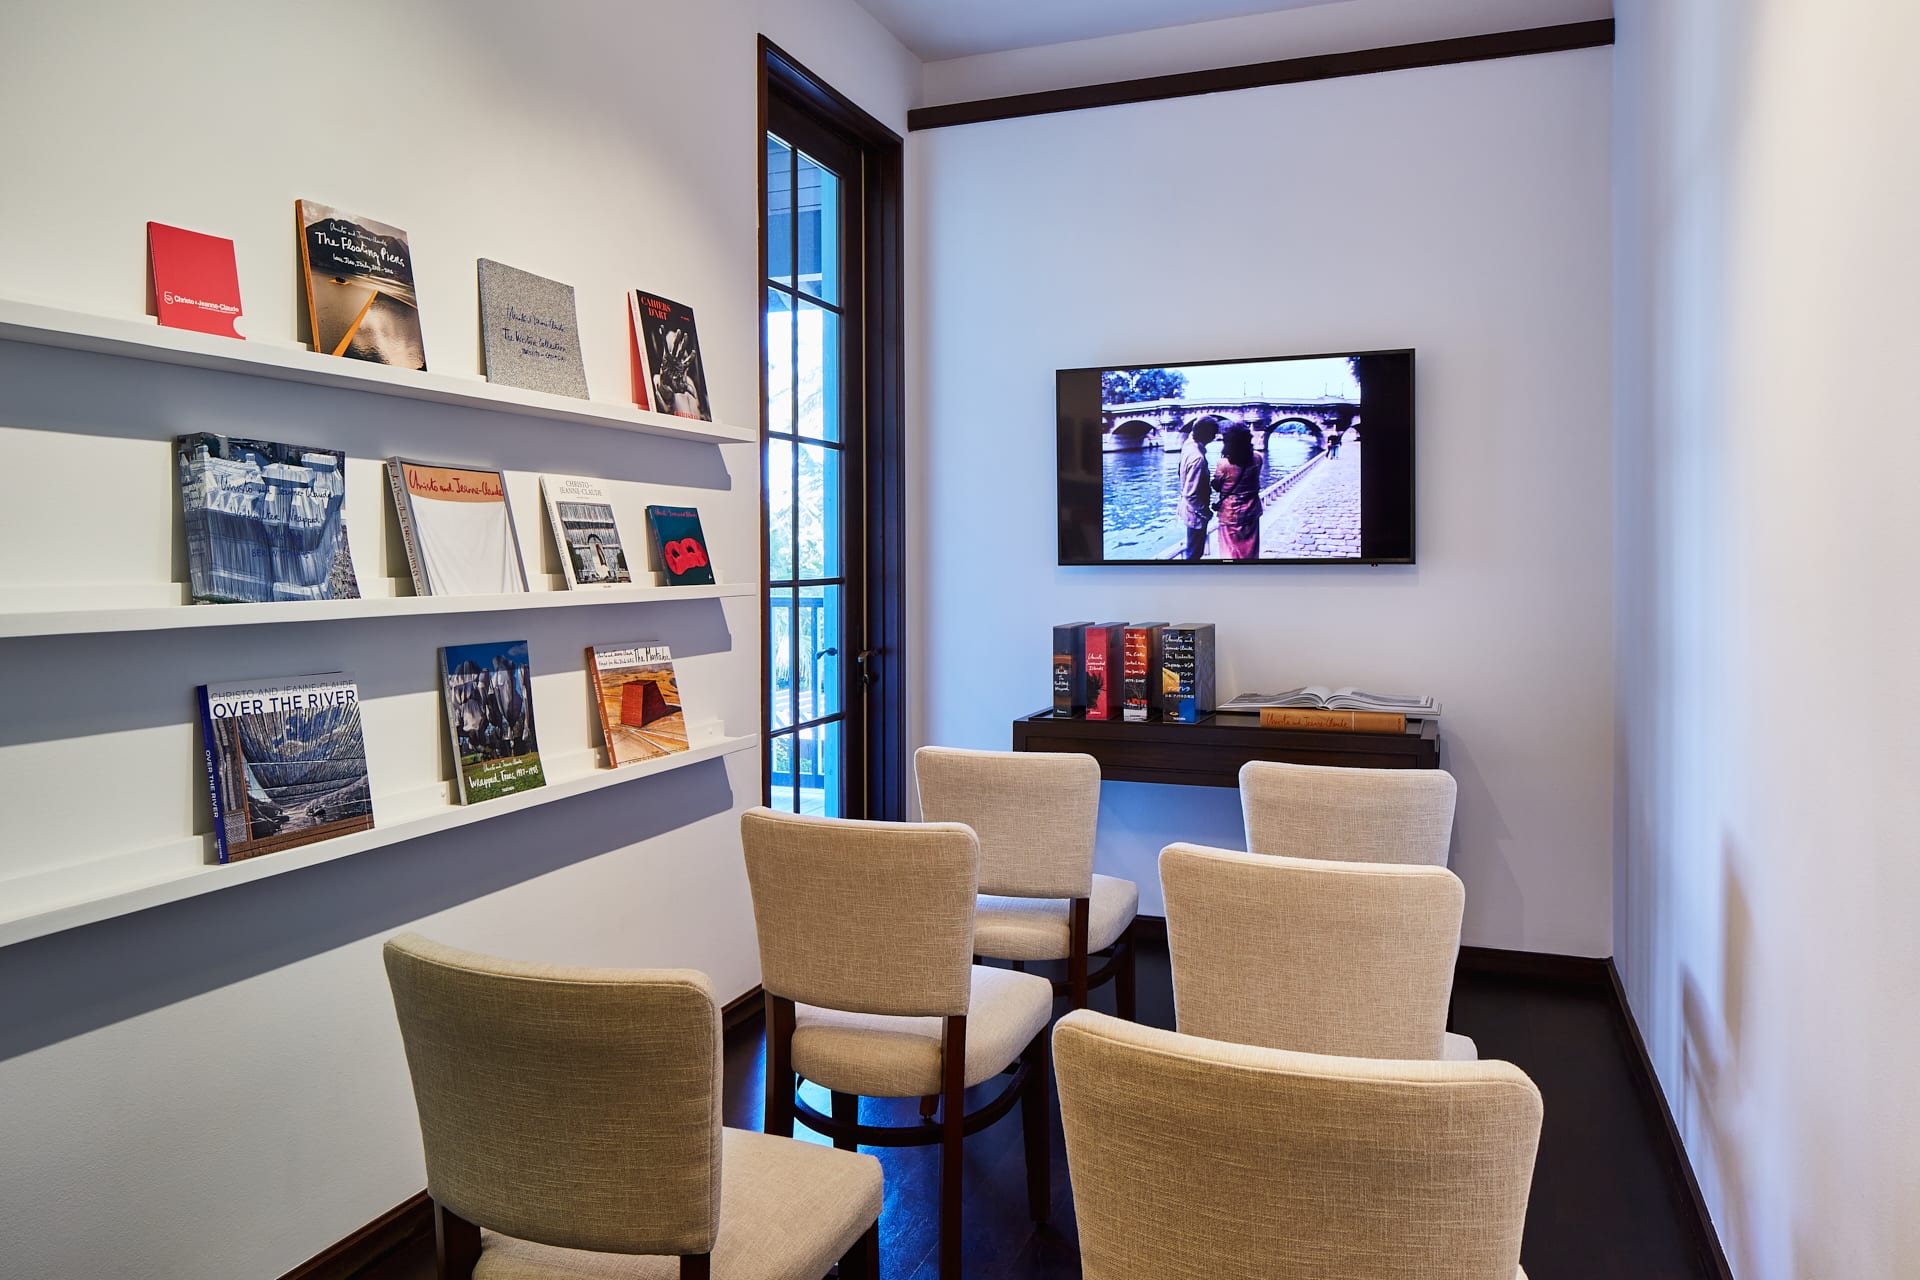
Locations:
(1071, 434)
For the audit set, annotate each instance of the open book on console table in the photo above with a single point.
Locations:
(1320, 698)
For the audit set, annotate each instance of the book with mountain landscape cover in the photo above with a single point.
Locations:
(1140, 673)
(1070, 668)
(639, 700)
(194, 281)
(360, 297)
(667, 350)
(264, 521)
(681, 545)
(530, 333)
(458, 529)
(1105, 669)
(584, 530)
(1344, 721)
(489, 699)
(286, 762)
(1186, 678)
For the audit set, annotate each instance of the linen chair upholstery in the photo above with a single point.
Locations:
(1194, 1159)
(1036, 815)
(574, 1114)
(1348, 815)
(1344, 958)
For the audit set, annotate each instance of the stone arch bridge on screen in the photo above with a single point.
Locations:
(1166, 424)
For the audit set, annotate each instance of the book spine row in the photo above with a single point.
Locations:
(1346, 721)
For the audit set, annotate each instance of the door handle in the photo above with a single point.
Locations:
(861, 660)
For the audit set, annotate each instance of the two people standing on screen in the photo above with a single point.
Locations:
(1238, 483)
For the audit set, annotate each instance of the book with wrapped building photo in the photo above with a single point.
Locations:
(264, 521)
(585, 532)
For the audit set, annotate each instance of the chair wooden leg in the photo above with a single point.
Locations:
(953, 1134)
(862, 1262)
(779, 1082)
(1036, 1124)
(1123, 977)
(696, 1266)
(456, 1244)
(1077, 952)
(846, 1108)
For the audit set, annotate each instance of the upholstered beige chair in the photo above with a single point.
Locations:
(1350, 958)
(574, 1115)
(1198, 1160)
(1035, 815)
(866, 954)
(1348, 815)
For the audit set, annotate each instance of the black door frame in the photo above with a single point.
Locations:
(874, 352)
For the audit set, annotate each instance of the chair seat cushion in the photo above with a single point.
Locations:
(788, 1211)
(880, 1056)
(1459, 1049)
(1040, 928)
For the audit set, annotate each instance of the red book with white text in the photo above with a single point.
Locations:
(195, 282)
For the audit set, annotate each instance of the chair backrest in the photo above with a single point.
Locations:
(869, 917)
(567, 1106)
(1349, 958)
(1035, 814)
(1348, 815)
(1197, 1160)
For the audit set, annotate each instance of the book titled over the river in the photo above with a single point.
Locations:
(286, 762)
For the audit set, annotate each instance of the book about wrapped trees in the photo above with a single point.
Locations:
(360, 298)
(529, 332)
(489, 697)
(667, 351)
(1318, 697)
(286, 763)
(639, 700)
(581, 513)
(458, 528)
(264, 521)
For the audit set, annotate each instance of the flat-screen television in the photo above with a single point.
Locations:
(1284, 460)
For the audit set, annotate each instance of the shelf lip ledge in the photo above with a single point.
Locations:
(46, 325)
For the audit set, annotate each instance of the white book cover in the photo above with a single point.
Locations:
(581, 513)
(458, 529)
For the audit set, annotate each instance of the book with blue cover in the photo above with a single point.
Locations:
(489, 697)
(265, 521)
(286, 762)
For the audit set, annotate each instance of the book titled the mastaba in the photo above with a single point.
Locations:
(360, 297)
(639, 699)
(265, 521)
(529, 331)
(286, 763)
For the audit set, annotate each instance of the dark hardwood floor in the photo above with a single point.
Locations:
(1605, 1202)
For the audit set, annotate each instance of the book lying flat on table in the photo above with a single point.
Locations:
(1320, 698)
(1343, 721)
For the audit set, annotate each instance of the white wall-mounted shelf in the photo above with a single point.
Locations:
(166, 617)
(143, 340)
(41, 903)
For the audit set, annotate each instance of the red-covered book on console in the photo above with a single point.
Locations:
(195, 282)
(1105, 667)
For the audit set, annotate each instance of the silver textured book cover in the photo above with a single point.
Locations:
(530, 332)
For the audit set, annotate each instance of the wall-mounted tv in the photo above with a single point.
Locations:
(1285, 460)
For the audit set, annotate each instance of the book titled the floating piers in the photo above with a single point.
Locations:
(361, 302)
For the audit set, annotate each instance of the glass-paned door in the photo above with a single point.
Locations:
(813, 471)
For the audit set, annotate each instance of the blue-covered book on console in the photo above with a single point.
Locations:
(1186, 671)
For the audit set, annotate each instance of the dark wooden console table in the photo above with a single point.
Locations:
(1210, 753)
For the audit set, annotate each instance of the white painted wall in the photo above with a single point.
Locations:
(1768, 873)
(1462, 211)
(1259, 37)
(215, 1088)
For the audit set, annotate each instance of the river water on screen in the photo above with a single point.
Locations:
(1140, 509)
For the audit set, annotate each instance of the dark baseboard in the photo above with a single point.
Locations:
(1712, 1256)
(1325, 66)
(742, 1009)
(1580, 971)
(405, 1225)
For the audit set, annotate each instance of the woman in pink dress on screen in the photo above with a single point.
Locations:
(1238, 481)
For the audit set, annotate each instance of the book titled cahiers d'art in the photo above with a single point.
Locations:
(639, 700)
(286, 762)
(668, 371)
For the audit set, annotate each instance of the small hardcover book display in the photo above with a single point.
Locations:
(1186, 654)
(1105, 669)
(458, 529)
(668, 370)
(489, 694)
(1070, 668)
(264, 521)
(360, 298)
(529, 331)
(639, 702)
(1141, 676)
(286, 763)
(682, 546)
(195, 282)
(583, 528)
